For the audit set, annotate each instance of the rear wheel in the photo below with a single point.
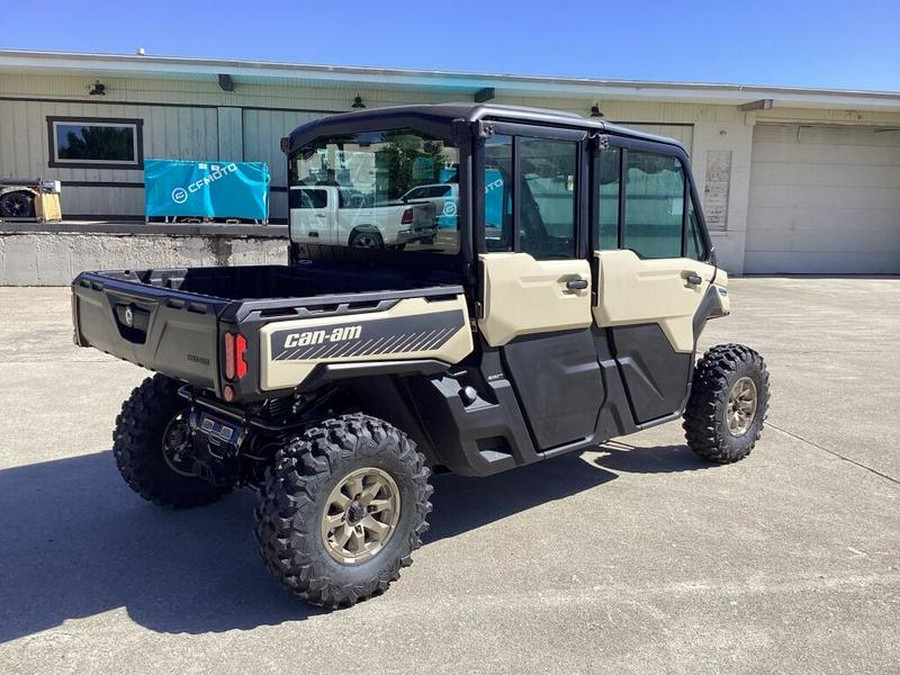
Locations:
(728, 404)
(342, 509)
(366, 239)
(151, 445)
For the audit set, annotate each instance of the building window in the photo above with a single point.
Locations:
(95, 142)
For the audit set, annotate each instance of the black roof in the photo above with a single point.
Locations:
(439, 117)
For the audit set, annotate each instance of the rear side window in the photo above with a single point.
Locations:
(537, 191)
(609, 188)
(498, 215)
(547, 197)
(313, 199)
(654, 204)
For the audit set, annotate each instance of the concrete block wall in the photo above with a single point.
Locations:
(55, 258)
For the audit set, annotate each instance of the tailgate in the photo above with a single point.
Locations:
(168, 331)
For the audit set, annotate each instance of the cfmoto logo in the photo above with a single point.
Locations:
(217, 172)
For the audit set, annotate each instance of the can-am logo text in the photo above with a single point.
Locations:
(180, 195)
(317, 337)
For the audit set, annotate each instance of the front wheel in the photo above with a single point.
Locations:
(728, 403)
(342, 509)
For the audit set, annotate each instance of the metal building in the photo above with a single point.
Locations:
(794, 180)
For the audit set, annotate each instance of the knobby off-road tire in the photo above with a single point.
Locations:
(729, 399)
(308, 496)
(148, 416)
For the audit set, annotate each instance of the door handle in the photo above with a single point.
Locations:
(576, 284)
(693, 279)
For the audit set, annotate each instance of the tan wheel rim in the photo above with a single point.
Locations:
(740, 407)
(360, 516)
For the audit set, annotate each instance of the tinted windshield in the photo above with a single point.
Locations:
(387, 189)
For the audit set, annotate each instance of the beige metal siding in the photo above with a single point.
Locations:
(683, 133)
(231, 136)
(263, 131)
(168, 132)
(824, 199)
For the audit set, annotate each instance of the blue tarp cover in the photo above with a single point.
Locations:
(177, 187)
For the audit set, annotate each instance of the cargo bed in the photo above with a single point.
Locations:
(173, 320)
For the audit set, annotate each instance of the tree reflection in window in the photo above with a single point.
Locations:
(104, 143)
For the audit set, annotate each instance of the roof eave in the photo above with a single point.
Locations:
(442, 81)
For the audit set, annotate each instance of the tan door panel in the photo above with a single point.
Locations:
(524, 296)
(635, 291)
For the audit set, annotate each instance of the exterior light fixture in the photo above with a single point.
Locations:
(99, 89)
(484, 95)
(761, 104)
(596, 112)
(357, 103)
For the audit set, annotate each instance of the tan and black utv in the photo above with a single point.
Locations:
(469, 288)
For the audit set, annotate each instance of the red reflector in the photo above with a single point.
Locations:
(229, 356)
(240, 349)
(407, 217)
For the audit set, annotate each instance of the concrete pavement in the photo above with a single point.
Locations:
(637, 557)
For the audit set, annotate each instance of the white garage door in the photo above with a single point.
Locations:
(824, 199)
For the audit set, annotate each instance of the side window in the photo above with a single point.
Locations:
(498, 214)
(654, 204)
(695, 246)
(416, 193)
(313, 199)
(547, 170)
(609, 190)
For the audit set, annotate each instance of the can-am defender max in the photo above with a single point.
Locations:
(542, 292)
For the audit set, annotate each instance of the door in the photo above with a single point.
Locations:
(535, 280)
(824, 200)
(653, 270)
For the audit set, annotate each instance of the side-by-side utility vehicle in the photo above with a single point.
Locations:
(560, 308)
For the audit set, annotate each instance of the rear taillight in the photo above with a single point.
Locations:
(235, 349)
(407, 218)
(229, 356)
(240, 348)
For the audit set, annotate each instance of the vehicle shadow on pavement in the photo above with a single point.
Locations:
(462, 504)
(76, 542)
(627, 458)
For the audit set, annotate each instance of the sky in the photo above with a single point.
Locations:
(825, 44)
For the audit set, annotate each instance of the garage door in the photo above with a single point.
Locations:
(824, 199)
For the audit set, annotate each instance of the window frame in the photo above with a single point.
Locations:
(56, 162)
(582, 182)
(689, 193)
